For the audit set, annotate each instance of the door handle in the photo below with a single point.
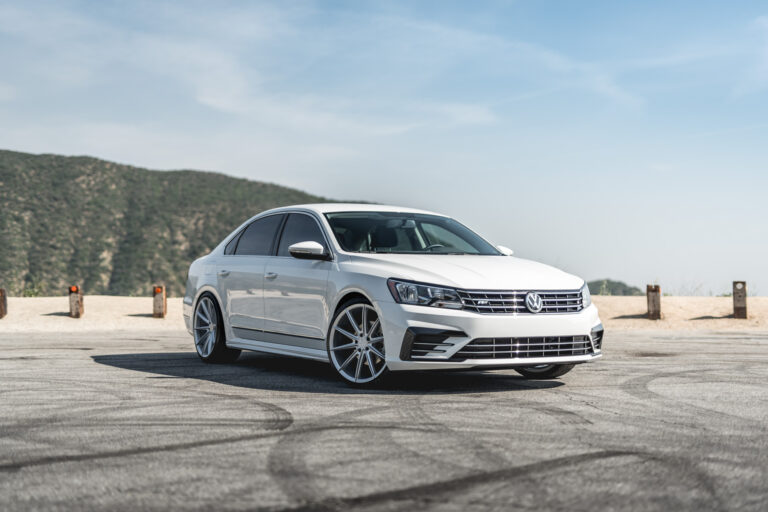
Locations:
(270, 275)
(223, 273)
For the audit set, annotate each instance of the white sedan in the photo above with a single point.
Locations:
(373, 289)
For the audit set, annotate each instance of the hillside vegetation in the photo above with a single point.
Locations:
(115, 229)
(609, 287)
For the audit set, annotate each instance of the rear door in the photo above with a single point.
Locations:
(241, 275)
(295, 289)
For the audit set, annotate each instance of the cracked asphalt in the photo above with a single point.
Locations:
(121, 421)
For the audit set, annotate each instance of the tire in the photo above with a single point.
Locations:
(549, 371)
(208, 332)
(355, 344)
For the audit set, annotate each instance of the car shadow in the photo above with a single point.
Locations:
(277, 373)
(640, 316)
(712, 317)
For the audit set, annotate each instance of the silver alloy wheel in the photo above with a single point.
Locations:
(205, 327)
(357, 344)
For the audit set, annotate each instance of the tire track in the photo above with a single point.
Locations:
(286, 461)
(281, 419)
(435, 493)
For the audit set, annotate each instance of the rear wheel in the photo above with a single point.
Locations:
(545, 371)
(208, 332)
(356, 343)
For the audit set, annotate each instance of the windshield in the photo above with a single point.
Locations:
(405, 233)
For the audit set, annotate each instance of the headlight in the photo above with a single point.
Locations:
(424, 295)
(586, 298)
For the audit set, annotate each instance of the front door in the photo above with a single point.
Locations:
(295, 300)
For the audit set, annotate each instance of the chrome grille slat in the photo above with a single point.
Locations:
(513, 301)
(521, 348)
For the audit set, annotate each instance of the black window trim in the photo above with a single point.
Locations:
(279, 237)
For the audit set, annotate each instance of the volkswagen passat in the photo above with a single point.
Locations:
(373, 289)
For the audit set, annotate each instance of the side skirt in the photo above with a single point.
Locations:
(279, 348)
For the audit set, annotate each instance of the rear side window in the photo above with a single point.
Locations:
(258, 237)
(299, 228)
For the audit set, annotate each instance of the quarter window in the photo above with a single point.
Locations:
(230, 247)
(299, 228)
(259, 237)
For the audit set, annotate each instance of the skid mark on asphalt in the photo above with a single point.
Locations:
(286, 461)
(467, 452)
(424, 495)
(639, 387)
(280, 419)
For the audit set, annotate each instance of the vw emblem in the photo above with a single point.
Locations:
(533, 302)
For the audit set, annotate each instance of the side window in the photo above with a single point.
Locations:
(230, 247)
(299, 228)
(258, 237)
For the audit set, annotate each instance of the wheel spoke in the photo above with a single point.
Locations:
(201, 317)
(374, 326)
(204, 341)
(359, 367)
(348, 360)
(209, 344)
(352, 321)
(376, 351)
(345, 347)
(346, 333)
(206, 312)
(377, 339)
(370, 364)
(364, 325)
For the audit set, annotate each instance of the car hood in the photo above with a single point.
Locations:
(468, 272)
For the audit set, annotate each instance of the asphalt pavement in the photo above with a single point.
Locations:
(121, 421)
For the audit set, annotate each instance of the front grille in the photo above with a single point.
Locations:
(514, 348)
(514, 301)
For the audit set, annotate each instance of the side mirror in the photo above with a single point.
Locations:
(506, 251)
(309, 251)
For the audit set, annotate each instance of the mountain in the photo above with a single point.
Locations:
(608, 287)
(115, 229)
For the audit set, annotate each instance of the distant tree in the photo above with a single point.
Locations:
(610, 287)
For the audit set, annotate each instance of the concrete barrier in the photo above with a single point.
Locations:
(3, 303)
(76, 306)
(653, 293)
(739, 299)
(159, 301)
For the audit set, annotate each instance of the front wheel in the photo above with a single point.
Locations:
(356, 343)
(545, 371)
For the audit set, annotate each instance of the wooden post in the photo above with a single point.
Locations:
(76, 309)
(653, 292)
(3, 303)
(159, 301)
(739, 299)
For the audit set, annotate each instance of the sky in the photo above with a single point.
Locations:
(623, 140)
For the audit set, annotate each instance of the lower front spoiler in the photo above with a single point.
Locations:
(419, 365)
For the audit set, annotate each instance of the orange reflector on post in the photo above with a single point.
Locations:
(73, 289)
(158, 290)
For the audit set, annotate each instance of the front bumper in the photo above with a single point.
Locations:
(459, 328)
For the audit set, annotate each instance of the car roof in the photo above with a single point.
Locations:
(322, 208)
